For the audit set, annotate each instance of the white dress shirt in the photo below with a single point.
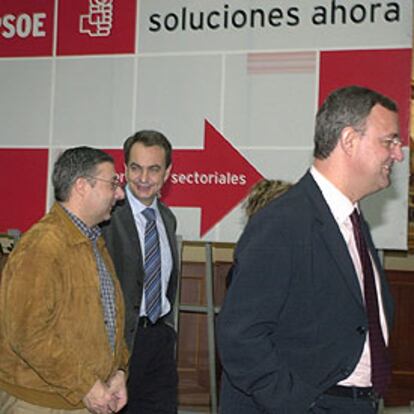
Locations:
(341, 208)
(165, 250)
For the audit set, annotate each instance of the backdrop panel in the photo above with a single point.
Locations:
(235, 85)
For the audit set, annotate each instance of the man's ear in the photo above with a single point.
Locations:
(168, 172)
(348, 140)
(81, 185)
(125, 173)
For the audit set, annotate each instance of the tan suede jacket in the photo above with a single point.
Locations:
(53, 340)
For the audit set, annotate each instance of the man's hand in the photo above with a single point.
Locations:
(100, 399)
(117, 387)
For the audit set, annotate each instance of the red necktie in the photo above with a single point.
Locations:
(380, 365)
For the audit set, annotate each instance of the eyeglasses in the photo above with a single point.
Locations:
(115, 182)
(391, 142)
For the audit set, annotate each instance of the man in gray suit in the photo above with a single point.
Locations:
(141, 238)
(305, 324)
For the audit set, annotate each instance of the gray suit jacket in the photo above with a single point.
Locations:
(124, 247)
(293, 322)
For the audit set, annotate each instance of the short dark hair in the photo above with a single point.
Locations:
(148, 138)
(74, 163)
(349, 106)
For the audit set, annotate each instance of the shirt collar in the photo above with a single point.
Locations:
(92, 233)
(136, 206)
(340, 205)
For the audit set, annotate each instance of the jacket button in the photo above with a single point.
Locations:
(361, 330)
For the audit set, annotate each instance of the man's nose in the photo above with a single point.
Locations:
(143, 177)
(397, 153)
(119, 193)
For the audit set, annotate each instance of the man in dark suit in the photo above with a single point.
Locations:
(148, 273)
(298, 331)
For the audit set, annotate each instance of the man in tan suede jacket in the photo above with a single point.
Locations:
(61, 308)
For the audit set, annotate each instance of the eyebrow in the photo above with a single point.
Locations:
(134, 164)
(392, 135)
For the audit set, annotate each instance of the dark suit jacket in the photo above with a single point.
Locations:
(124, 247)
(293, 322)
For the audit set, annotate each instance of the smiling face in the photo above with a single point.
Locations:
(102, 192)
(146, 172)
(376, 150)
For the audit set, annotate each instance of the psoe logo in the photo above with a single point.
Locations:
(94, 27)
(23, 25)
(98, 21)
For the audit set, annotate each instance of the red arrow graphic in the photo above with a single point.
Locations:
(214, 179)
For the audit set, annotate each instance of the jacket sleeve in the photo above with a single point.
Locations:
(31, 314)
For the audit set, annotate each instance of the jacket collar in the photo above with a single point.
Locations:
(73, 233)
(332, 236)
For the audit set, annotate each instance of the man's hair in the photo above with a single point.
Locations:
(72, 164)
(148, 138)
(349, 106)
(262, 193)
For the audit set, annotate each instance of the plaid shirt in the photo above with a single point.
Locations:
(106, 283)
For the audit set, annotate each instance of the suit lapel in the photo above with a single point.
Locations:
(132, 238)
(169, 224)
(169, 227)
(332, 237)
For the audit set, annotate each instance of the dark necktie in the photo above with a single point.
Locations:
(380, 366)
(152, 267)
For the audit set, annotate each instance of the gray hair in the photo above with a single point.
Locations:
(72, 164)
(349, 106)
